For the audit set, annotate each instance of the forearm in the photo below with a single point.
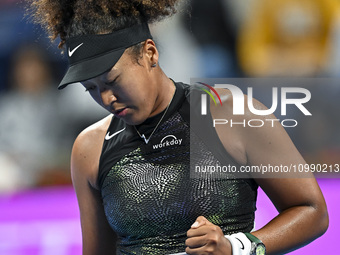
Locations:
(293, 228)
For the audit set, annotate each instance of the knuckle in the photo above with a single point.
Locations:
(213, 239)
(214, 228)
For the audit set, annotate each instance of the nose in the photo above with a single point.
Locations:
(108, 97)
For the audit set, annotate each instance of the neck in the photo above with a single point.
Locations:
(166, 89)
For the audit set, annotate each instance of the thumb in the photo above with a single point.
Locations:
(200, 221)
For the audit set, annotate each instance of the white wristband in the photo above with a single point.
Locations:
(240, 244)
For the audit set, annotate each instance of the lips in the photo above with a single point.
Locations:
(120, 112)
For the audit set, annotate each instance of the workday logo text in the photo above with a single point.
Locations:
(169, 140)
(285, 94)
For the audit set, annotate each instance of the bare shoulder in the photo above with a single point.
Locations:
(92, 134)
(240, 106)
(241, 131)
(226, 110)
(230, 135)
(86, 151)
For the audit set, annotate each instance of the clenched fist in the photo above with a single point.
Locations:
(205, 238)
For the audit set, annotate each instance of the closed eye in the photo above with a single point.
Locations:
(111, 83)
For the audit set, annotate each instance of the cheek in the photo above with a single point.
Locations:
(144, 95)
(136, 91)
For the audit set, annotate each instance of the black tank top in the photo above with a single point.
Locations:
(150, 197)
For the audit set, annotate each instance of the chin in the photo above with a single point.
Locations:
(133, 122)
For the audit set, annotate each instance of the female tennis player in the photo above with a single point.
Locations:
(131, 170)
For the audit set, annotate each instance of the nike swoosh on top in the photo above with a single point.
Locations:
(108, 136)
(242, 248)
(70, 53)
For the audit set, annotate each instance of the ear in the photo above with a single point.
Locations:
(150, 52)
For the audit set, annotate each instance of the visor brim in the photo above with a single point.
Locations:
(90, 68)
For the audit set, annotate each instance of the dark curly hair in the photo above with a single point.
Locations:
(68, 18)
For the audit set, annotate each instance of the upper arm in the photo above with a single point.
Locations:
(269, 145)
(98, 237)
